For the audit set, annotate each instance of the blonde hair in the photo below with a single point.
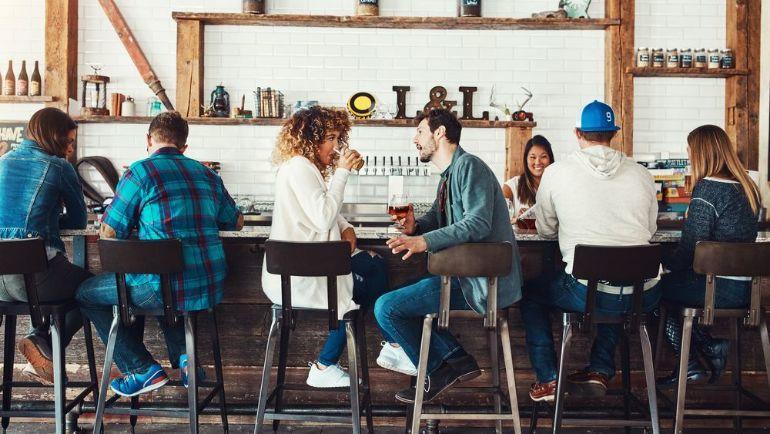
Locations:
(712, 154)
(304, 132)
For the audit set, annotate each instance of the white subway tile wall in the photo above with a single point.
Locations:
(564, 70)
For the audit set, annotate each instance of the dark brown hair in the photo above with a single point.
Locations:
(442, 117)
(169, 127)
(597, 136)
(49, 127)
(526, 190)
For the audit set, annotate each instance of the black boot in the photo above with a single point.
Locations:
(695, 369)
(714, 351)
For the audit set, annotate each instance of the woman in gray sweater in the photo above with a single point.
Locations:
(724, 207)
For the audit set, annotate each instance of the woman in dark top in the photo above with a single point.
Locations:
(36, 183)
(724, 207)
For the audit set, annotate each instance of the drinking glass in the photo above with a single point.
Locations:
(399, 207)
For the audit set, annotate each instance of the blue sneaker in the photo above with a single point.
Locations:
(136, 384)
(183, 371)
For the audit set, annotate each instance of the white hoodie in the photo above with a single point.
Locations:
(596, 196)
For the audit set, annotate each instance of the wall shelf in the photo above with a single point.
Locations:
(275, 122)
(439, 23)
(686, 72)
(24, 99)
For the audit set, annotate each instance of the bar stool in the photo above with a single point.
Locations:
(163, 257)
(726, 259)
(28, 257)
(316, 259)
(490, 260)
(622, 266)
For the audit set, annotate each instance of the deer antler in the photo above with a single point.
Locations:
(529, 97)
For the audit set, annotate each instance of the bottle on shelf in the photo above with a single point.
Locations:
(22, 84)
(9, 82)
(35, 83)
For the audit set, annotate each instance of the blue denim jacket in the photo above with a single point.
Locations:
(33, 187)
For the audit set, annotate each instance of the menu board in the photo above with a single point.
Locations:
(11, 134)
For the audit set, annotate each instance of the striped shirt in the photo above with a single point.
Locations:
(171, 196)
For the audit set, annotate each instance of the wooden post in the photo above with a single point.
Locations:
(754, 59)
(736, 87)
(515, 140)
(189, 67)
(619, 85)
(61, 51)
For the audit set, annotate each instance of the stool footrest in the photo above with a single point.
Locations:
(743, 413)
(271, 415)
(608, 423)
(465, 416)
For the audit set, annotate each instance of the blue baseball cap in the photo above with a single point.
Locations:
(597, 116)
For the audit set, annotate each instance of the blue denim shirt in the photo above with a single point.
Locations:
(34, 186)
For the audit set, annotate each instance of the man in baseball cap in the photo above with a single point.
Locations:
(595, 196)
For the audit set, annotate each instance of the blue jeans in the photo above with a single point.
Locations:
(400, 314)
(97, 295)
(370, 281)
(687, 289)
(561, 290)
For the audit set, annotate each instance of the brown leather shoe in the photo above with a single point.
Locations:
(543, 391)
(37, 353)
(589, 383)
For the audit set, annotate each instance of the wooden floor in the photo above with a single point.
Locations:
(248, 429)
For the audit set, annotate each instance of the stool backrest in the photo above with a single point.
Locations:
(26, 257)
(732, 259)
(490, 260)
(617, 266)
(162, 257)
(312, 259)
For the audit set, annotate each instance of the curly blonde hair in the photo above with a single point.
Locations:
(304, 132)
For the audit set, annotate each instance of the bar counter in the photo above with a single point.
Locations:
(244, 318)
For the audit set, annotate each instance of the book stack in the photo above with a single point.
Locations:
(268, 103)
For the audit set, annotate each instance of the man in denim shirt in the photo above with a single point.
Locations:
(166, 195)
(469, 208)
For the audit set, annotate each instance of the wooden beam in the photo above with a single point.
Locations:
(618, 81)
(515, 140)
(61, 52)
(189, 67)
(441, 23)
(686, 72)
(754, 81)
(736, 88)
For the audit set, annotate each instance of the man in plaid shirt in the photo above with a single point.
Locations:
(166, 195)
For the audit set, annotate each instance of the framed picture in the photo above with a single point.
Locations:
(11, 135)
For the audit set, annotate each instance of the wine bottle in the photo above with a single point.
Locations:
(9, 83)
(22, 84)
(35, 83)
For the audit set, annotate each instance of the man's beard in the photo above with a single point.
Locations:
(428, 156)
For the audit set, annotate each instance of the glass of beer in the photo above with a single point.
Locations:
(399, 207)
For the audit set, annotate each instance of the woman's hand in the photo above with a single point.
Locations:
(350, 159)
(349, 235)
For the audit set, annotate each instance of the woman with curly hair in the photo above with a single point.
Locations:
(313, 167)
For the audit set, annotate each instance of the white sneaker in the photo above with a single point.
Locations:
(395, 359)
(332, 376)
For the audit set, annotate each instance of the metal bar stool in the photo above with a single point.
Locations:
(163, 257)
(490, 260)
(28, 257)
(316, 259)
(726, 259)
(622, 266)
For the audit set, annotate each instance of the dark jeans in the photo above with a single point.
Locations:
(370, 281)
(96, 297)
(400, 314)
(687, 289)
(57, 284)
(561, 290)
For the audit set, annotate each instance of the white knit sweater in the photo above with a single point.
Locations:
(306, 210)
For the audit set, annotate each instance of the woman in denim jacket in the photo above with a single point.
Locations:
(36, 183)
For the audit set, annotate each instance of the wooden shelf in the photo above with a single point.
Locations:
(24, 99)
(685, 72)
(439, 23)
(275, 121)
